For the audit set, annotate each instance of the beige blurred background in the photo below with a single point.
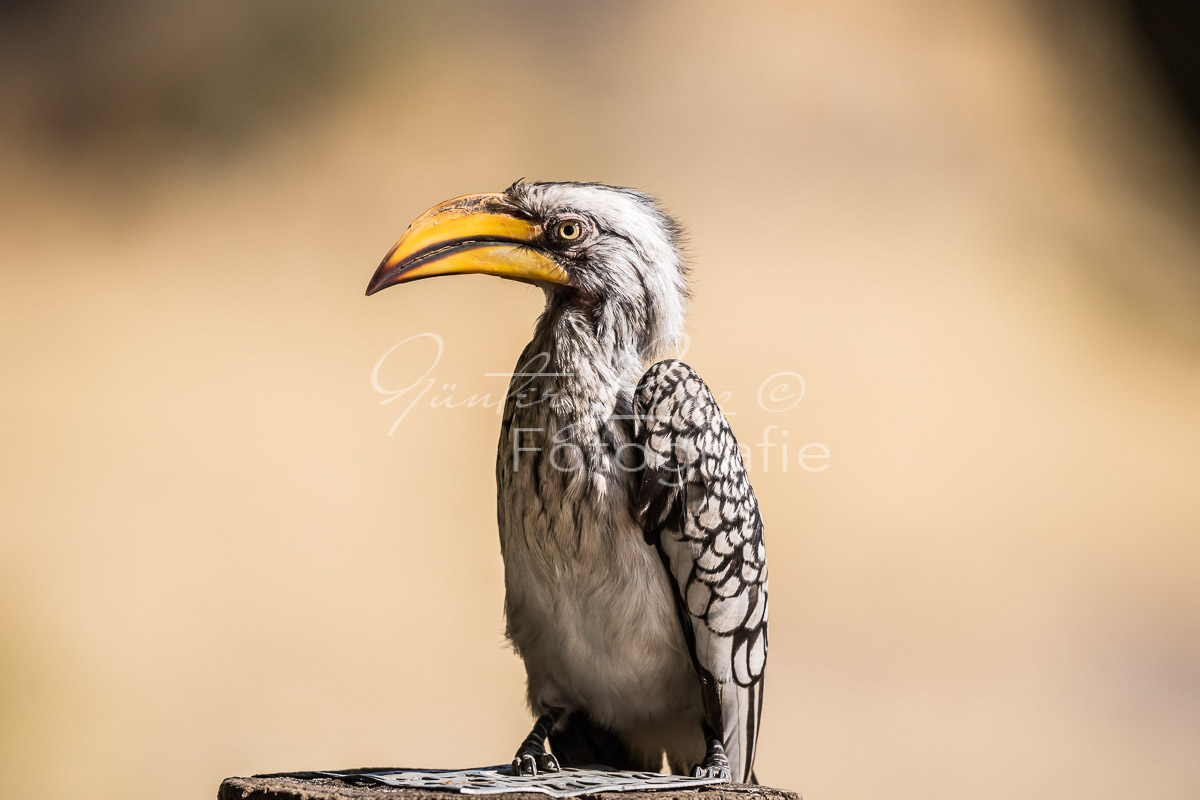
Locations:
(971, 228)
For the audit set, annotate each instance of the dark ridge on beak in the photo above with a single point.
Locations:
(386, 276)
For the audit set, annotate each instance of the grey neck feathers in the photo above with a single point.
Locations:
(592, 363)
(583, 378)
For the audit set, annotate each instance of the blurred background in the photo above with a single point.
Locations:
(972, 228)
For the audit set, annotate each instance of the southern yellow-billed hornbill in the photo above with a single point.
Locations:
(635, 574)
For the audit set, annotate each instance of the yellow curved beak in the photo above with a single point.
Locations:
(477, 233)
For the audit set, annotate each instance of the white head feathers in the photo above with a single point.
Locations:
(631, 268)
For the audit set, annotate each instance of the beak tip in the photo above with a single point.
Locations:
(380, 280)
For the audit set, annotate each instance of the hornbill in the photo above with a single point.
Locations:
(635, 572)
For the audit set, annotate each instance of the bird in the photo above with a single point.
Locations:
(634, 562)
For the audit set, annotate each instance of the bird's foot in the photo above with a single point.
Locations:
(713, 770)
(715, 763)
(531, 755)
(530, 763)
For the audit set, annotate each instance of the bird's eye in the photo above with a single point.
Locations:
(569, 230)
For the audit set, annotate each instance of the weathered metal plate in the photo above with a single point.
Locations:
(568, 782)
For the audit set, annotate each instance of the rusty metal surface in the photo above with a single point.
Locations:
(365, 784)
(567, 782)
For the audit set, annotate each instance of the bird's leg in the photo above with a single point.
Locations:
(532, 755)
(715, 763)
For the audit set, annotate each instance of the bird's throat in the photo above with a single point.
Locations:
(569, 380)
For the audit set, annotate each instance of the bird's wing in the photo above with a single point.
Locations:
(697, 508)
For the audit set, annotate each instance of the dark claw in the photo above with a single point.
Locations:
(525, 765)
(715, 763)
(532, 752)
(719, 771)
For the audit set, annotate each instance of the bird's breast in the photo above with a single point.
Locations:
(588, 602)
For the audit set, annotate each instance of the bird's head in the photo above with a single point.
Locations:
(606, 253)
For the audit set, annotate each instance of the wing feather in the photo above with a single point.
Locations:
(697, 507)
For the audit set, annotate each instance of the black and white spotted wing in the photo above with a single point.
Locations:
(698, 509)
